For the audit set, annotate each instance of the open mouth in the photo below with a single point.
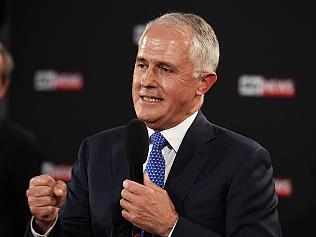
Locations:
(150, 99)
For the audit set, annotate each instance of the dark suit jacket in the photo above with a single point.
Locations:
(20, 161)
(220, 183)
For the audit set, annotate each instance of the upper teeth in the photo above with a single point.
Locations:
(151, 99)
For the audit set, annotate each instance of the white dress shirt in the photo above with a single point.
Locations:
(174, 136)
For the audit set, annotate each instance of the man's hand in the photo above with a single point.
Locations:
(148, 207)
(45, 197)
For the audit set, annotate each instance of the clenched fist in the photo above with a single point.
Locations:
(45, 197)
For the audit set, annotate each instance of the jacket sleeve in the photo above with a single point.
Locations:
(75, 214)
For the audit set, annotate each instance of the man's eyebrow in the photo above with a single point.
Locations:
(141, 59)
(159, 63)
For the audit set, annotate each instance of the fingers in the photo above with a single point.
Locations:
(128, 216)
(136, 188)
(126, 205)
(131, 217)
(137, 194)
(42, 201)
(127, 195)
(134, 197)
(40, 186)
(42, 180)
(40, 191)
(134, 215)
(45, 185)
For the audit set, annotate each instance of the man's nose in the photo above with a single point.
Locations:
(149, 79)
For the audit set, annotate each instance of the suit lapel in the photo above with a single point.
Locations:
(191, 157)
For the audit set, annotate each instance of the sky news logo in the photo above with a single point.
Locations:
(57, 171)
(51, 80)
(260, 86)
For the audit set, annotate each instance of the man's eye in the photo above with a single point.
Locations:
(141, 65)
(166, 69)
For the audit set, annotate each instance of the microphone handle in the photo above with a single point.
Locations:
(136, 173)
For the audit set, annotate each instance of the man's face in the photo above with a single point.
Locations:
(164, 90)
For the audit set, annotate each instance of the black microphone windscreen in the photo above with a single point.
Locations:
(136, 142)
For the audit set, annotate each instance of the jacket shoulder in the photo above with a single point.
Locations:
(235, 140)
(112, 135)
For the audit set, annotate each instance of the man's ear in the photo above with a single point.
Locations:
(4, 84)
(206, 82)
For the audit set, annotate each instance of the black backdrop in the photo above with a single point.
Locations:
(95, 39)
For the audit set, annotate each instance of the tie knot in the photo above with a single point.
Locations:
(158, 140)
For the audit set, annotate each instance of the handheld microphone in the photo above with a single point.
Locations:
(136, 148)
(136, 144)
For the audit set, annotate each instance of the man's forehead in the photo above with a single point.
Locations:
(162, 51)
(155, 41)
(169, 31)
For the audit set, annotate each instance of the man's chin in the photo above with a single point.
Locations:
(145, 119)
(148, 120)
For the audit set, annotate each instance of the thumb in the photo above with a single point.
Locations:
(148, 183)
(60, 191)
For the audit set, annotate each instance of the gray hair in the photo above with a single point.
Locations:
(7, 63)
(204, 49)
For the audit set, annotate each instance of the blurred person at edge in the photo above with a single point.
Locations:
(216, 182)
(20, 160)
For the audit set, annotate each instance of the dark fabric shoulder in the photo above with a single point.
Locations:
(223, 136)
(112, 134)
(231, 138)
(106, 137)
(238, 150)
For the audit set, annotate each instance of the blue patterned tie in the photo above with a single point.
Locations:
(156, 163)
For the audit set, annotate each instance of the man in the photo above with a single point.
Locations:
(214, 183)
(20, 160)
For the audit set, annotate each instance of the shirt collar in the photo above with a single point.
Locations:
(175, 135)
